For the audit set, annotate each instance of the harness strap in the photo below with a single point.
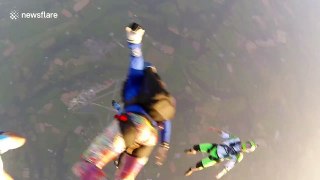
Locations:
(229, 150)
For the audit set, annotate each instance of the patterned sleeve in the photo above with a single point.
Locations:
(136, 58)
(166, 132)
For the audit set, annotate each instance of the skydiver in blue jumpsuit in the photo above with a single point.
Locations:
(133, 132)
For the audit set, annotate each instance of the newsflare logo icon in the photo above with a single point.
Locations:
(14, 15)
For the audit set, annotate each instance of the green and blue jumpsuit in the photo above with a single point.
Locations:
(229, 150)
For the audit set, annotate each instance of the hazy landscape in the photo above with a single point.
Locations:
(248, 67)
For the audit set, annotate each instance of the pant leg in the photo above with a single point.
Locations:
(205, 147)
(213, 153)
(130, 167)
(206, 162)
(144, 137)
(212, 159)
(137, 153)
(106, 146)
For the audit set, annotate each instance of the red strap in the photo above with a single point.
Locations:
(121, 117)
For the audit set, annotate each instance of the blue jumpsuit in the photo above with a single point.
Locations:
(134, 81)
(117, 137)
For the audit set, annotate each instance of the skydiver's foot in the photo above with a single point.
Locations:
(190, 151)
(189, 172)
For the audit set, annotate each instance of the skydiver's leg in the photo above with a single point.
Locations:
(204, 163)
(105, 148)
(145, 150)
(131, 164)
(138, 152)
(205, 147)
(211, 160)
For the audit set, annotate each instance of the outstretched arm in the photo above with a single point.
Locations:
(136, 58)
(221, 133)
(228, 166)
(134, 37)
(136, 65)
(165, 133)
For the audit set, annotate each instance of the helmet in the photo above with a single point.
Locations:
(249, 146)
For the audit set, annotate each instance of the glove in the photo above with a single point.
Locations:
(134, 33)
(162, 153)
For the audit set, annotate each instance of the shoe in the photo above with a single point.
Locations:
(189, 172)
(134, 33)
(190, 151)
